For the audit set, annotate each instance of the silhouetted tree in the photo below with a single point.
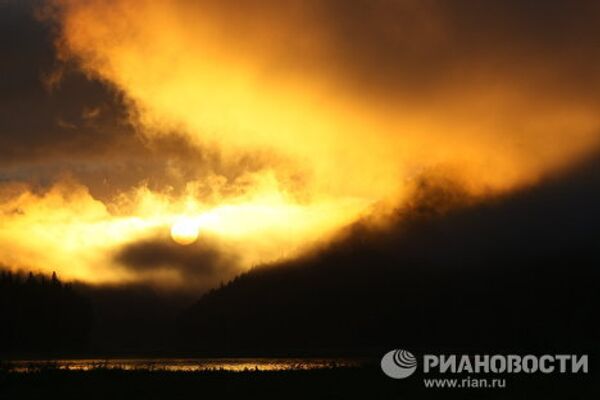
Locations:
(41, 316)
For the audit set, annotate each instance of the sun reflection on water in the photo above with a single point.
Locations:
(185, 365)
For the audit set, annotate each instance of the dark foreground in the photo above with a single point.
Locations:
(337, 383)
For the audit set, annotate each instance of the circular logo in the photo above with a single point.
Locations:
(398, 364)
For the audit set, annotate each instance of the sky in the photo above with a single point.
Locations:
(179, 143)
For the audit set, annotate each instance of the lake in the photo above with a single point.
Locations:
(185, 364)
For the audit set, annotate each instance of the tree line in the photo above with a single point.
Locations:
(40, 315)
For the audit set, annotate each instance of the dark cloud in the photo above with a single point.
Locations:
(417, 48)
(42, 121)
(199, 265)
(56, 120)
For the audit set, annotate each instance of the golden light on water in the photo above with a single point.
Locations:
(186, 365)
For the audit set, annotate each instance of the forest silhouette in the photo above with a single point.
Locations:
(40, 315)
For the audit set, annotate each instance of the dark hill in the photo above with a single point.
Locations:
(519, 272)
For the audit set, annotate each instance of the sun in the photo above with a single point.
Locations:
(185, 231)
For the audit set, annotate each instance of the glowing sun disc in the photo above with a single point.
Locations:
(185, 231)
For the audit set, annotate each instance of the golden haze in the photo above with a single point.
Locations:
(265, 79)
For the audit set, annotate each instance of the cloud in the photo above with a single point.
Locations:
(56, 120)
(37, 123)
(202, 264)
(369, 89)
(281, 120)
(422, 48)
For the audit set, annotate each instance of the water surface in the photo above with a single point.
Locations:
(185, 364)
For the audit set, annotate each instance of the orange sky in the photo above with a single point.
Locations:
(341, 106)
